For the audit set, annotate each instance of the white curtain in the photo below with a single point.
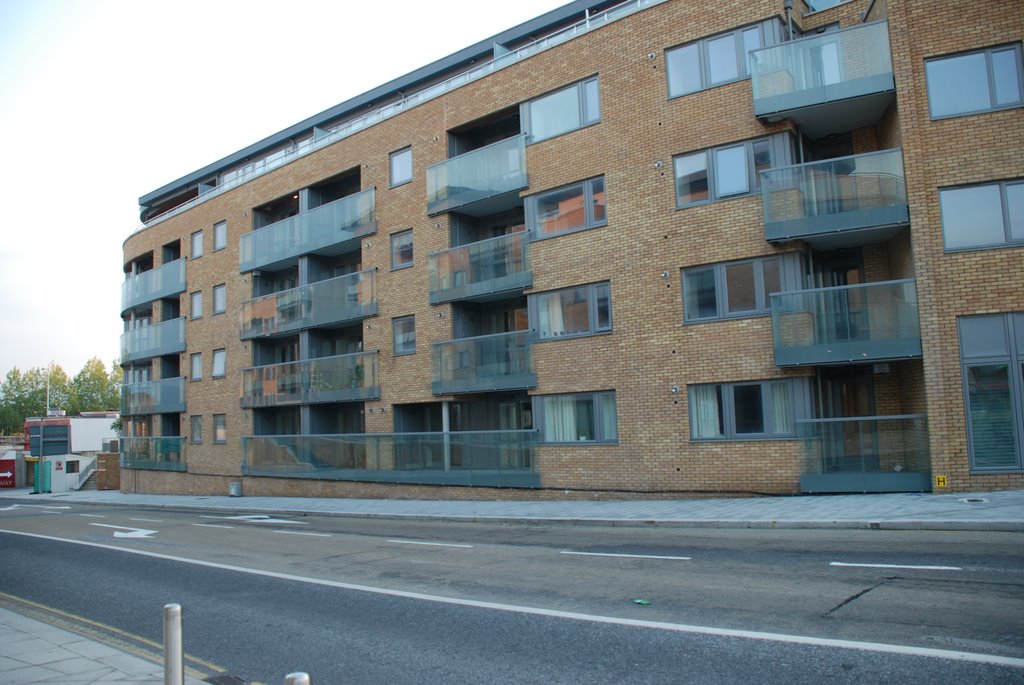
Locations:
(609, 418)
(706, 411)
(782, 409)
(549, 310)
(559, 419)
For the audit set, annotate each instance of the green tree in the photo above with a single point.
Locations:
(90, 388)
(114, 380)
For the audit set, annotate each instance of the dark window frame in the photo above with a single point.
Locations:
(989, 73)
(593, 295)
(1008, 239)
(589, 220)
(600, 430)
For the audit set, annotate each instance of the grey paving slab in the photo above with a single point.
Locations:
(91, 649)
(31, 674)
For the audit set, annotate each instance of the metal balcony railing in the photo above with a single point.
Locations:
(342, 378)
(485, 363)
(155, 340)
(478, 175)
(155, 454)
(152, 285)
(165, 396)
(335, 300)
(482, 268)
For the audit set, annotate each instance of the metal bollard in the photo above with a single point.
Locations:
(174, 664)
(298, 678)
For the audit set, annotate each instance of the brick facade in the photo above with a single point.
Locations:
(651, 356)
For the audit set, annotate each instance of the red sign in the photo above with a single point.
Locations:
(60, 466)
(7, 473)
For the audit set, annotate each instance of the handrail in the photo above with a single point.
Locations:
(835, 288)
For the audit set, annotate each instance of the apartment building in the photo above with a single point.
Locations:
(651, 248)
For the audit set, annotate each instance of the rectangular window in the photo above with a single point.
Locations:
(404, 333)
(196, 305)
(196, 366)
(220, 235)
(220, 363)
(585, 310)
(196, 424)
(220, 429)
(581, 417)
(401, 249)
(568, 209)
(220, 298)
(716, 60)
(983, 216)
(197, 245)
(749, 410)
(401, 167)
(727, 171)
(992, 358)
(564, 110)
(975, 82)
(737, 289)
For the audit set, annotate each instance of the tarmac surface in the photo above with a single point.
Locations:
(32, 651)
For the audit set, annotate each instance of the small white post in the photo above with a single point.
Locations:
(298, 678)
(174, 662)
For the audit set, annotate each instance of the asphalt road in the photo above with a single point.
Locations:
(514, 603)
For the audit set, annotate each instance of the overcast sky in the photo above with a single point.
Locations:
(102, 101)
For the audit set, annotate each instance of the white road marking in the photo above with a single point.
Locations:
(905, 650)
(148, 520)
(903, 566)
(625, 556)
(132, 532)
(211, 525)
(431, 544)
(257, 518)
(34, 506)
(94, 516)
(300, 532)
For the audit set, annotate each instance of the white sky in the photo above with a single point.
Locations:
(102, 101)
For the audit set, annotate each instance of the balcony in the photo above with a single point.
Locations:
(324, 303)
(485, 363)
(483, 174)
(486, 458)
(343, 378)
(153, 454)
(156, 340)
(836, 203)
(866, 454)
(152, 285)
(331, 229)
(482, 269)
(828, 83)
(165, 396)
(847, 325)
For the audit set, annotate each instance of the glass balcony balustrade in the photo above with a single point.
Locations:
(865, 454)
(494, 458)
(342, 378)
(165, 396)
(479, 269)
(333, 228)
(489, 362)
(835, 203)
(155, 340)
(154, 454)
(847, 324)
(324, 303)
(831, 82)
(478, 175)
(152, 285)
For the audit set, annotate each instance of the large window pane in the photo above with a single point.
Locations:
(722, 59)
(741, 287)
(597, 201)
(591, 102)
(751, 41)
(609, 417)
(749, 409)
(683, 65)
(699, 289)
(731, 171)
(555, 114)
(957, 85)
(972, 216)
(604, 307)
(560, 211)
(706, 415)
(1015, 207)
(1006, 77)
(692, 178)
(991, 417)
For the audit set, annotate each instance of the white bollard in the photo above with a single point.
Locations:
(174, 663)
(298, 678)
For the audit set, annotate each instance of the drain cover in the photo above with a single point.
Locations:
(974, 500)
(225, 679)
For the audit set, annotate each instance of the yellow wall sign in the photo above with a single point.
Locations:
(940, 481)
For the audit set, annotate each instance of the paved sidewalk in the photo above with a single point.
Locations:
(999, 511)
(35, 652)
